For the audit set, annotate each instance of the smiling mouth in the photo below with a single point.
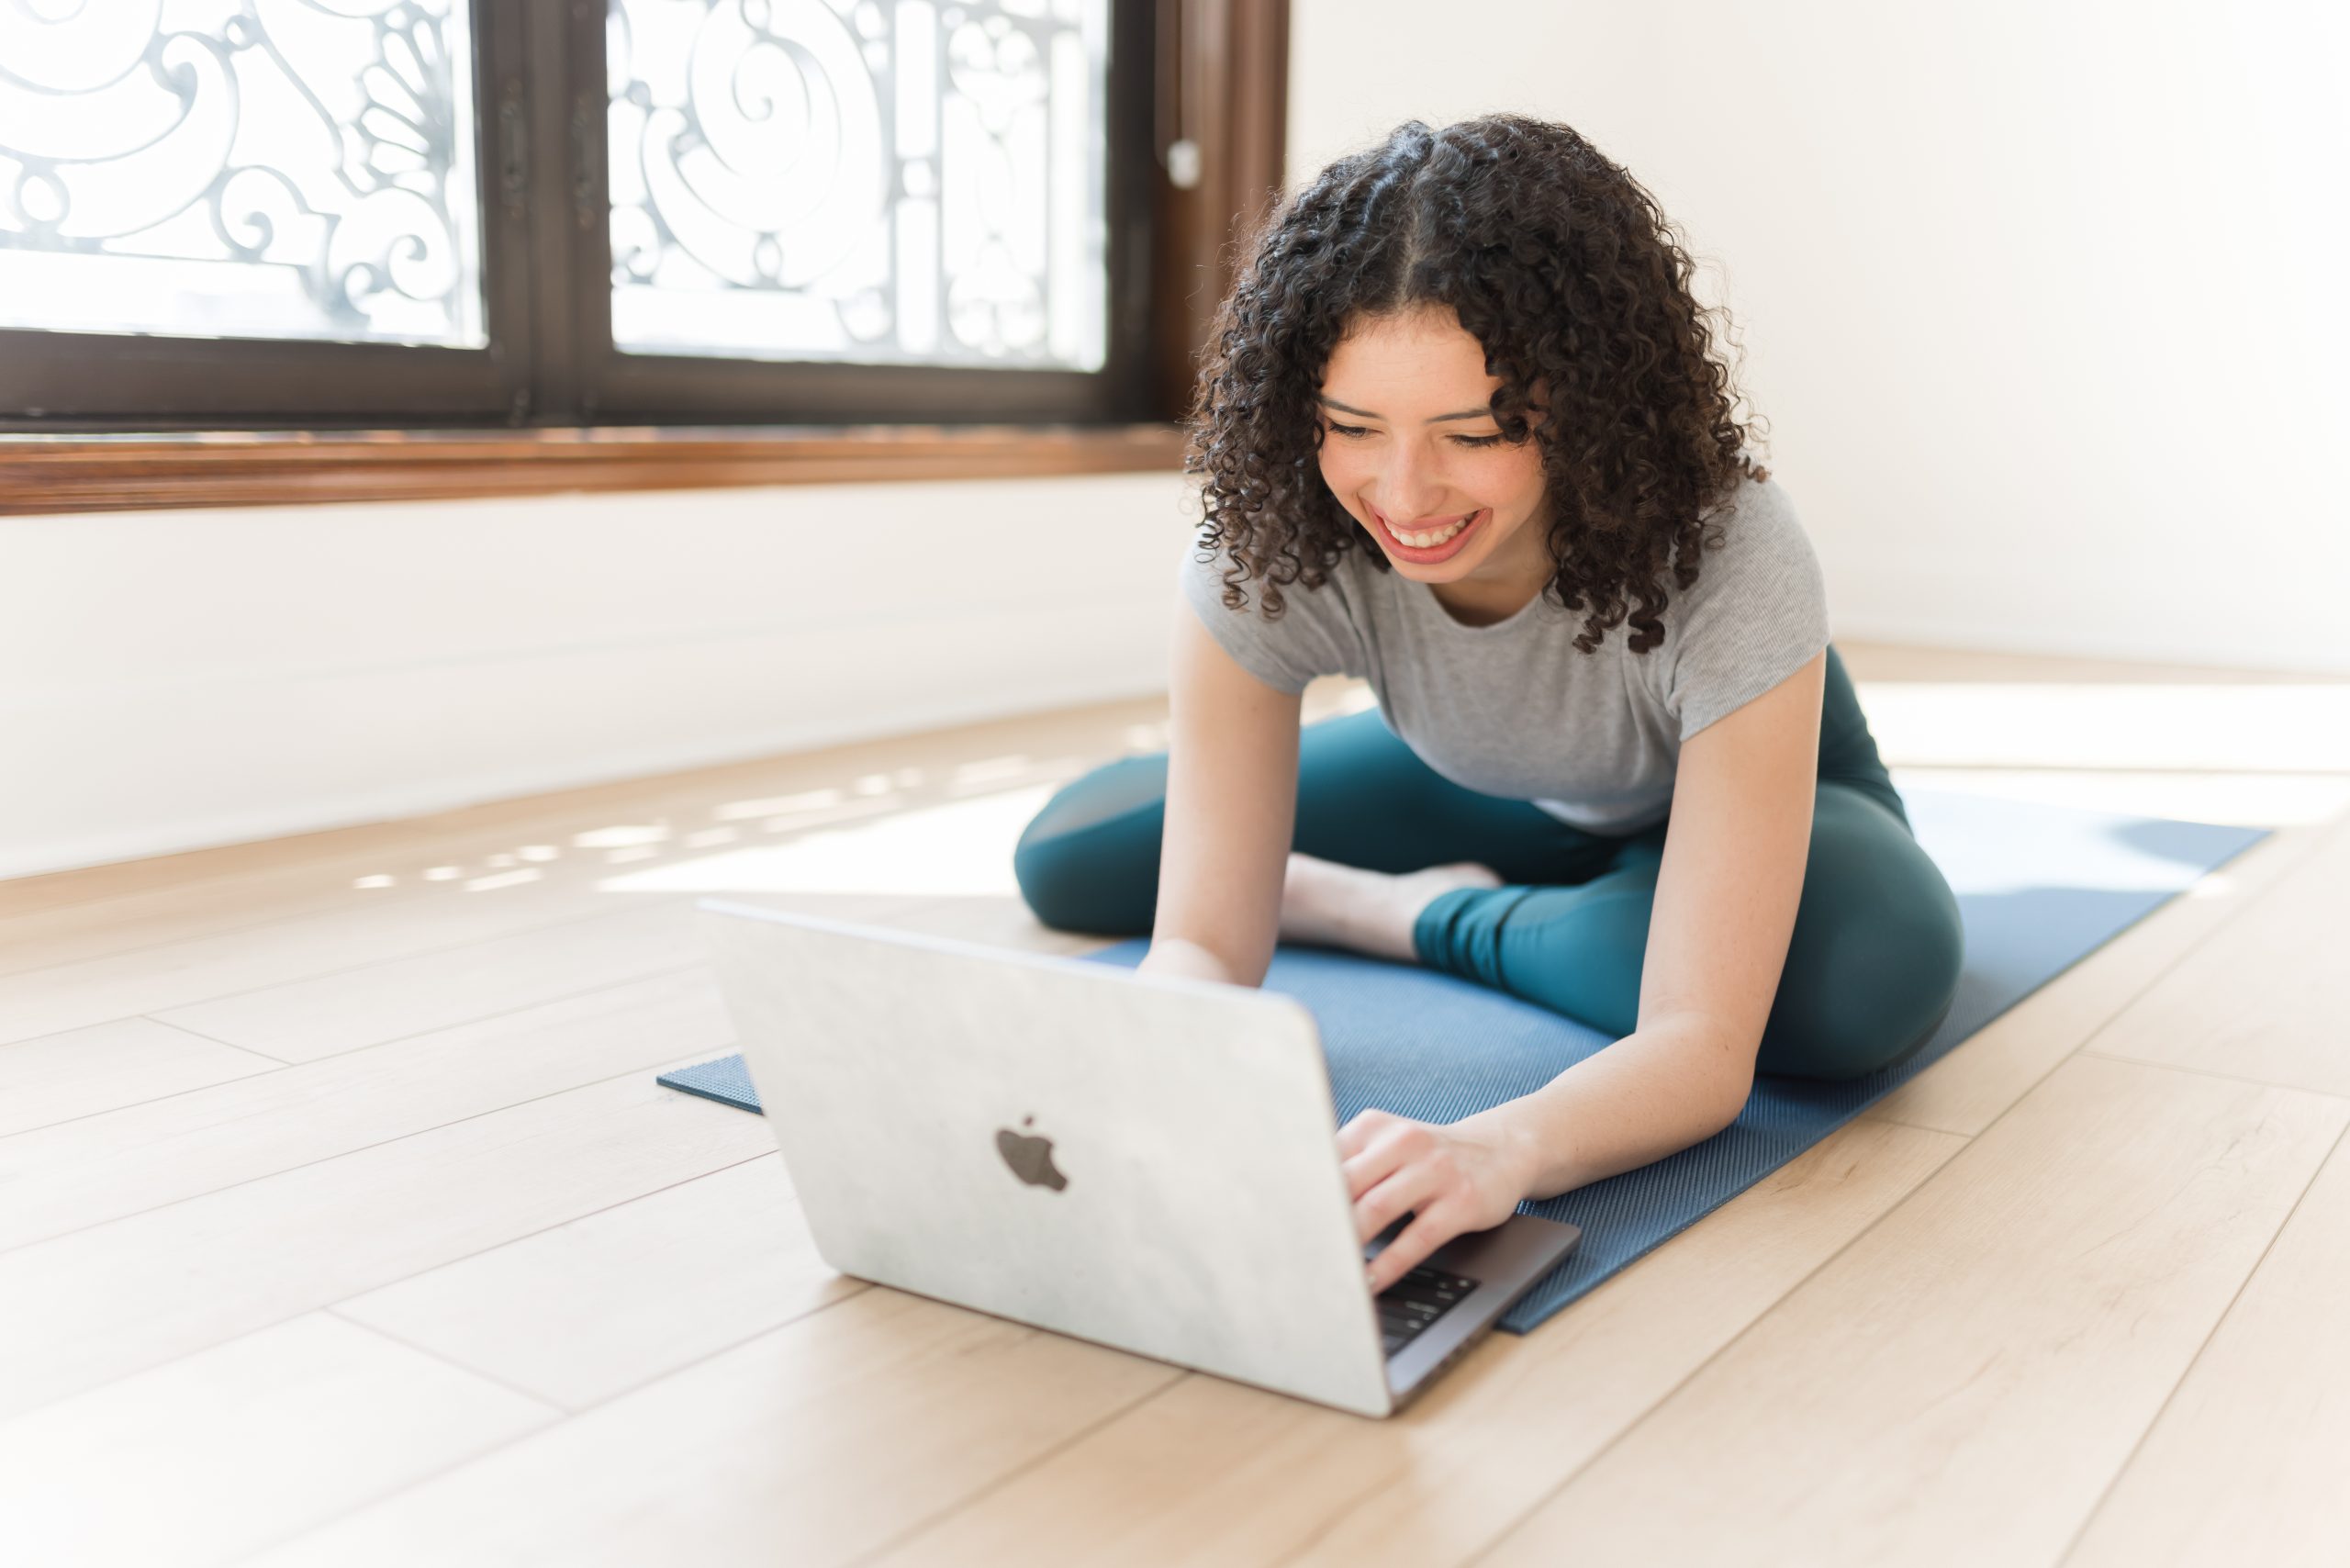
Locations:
(1428, 541)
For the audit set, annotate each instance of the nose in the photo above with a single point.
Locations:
(1408, 486)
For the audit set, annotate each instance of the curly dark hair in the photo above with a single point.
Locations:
(1567, 272)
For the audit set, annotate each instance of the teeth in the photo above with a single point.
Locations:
(1435, 537)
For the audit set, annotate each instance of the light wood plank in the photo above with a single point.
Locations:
(1959, 1386)
(145, 1157)
(356, 1008)
(108, 1066)
(2000, 1063)
(586, 1311)
(811, 1445)
(2247, 1462)
(178, 974)
(133, 919)
(2267, 997)
(220, 1453)
(81, 1310)
(1212, 1472)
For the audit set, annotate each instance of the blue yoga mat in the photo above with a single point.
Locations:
(2039, 888)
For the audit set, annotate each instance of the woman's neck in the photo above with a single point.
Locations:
(1474, 603)
(1502, 587)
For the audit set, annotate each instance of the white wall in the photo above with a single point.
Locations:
(2042, 297)
(170, 680)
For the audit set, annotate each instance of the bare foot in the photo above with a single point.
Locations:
(1332, 905)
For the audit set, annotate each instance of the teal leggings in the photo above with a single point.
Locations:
(1871, 967)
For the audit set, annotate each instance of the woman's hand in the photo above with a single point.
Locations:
(1466, 1176)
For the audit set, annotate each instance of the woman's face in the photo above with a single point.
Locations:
(1410, 450)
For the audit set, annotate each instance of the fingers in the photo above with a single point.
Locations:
(1449, 1182)
(1413, 1187)
(1367, 1125)
(1393, 1147)
(1391, 1169)
(1433, 1227)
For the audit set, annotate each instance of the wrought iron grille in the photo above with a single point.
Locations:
(851, 180)
(297, 169)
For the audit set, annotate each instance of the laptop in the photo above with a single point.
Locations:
(1140, 1160)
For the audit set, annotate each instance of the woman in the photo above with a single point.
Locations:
(1462, 436)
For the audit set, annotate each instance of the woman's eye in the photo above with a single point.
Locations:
(1354, 433)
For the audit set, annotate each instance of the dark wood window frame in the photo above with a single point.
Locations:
(1216, 81)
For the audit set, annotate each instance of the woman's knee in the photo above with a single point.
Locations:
(1874, 963)
(1089, 860)
(1874, 993)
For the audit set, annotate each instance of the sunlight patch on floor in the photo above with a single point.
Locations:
(779, 805)
(2241, 800)
(962, 848)
(622, 836)
(2286, 727)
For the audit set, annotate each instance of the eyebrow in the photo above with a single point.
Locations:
(1435, 420)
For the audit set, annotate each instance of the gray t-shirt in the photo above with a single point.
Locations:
(1515, 709)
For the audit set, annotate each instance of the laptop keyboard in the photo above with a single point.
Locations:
(1419, 1299)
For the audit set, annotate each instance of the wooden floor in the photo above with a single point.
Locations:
(343, 1223)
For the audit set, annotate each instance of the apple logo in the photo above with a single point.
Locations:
(1030, 1159)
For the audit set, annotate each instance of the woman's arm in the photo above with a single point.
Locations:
(1231, 803)
(1724, 909)
(1726, 899)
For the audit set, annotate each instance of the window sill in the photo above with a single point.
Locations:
(42, 474)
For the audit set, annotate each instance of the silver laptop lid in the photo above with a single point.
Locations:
(1144, 1162)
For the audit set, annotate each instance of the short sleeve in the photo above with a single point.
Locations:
(1314, 635)
(1757, 613)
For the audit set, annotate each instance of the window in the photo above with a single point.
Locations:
(911, 183)
(314, 213)
(199, 171)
